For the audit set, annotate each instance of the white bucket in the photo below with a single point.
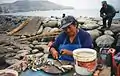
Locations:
(85, 61)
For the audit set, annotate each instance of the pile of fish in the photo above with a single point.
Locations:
(49, 65)
(45, 64)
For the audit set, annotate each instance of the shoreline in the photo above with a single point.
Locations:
(58, 13)
(33, 38)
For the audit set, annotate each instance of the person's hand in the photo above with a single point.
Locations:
(65, 51)
(50, 43)
(54, 54)
(104, 16)
(117, 12)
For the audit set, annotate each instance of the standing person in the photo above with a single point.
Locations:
(70, 39)
(107, 12)
(63, 15)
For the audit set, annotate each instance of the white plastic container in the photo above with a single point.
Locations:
(85, 61)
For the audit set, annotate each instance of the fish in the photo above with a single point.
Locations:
(67, 67)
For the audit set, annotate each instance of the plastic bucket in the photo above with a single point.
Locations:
(85, 61)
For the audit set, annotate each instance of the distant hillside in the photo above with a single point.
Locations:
(25, 6)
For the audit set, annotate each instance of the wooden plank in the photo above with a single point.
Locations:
(44, 35)
(31, 28)
(21, 26)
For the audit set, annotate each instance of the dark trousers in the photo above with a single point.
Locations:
(109, 21)
(109, 18)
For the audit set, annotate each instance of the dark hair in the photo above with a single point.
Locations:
(104, 2)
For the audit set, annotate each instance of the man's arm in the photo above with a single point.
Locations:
(101, 12)
(54, 47)
(54, 52)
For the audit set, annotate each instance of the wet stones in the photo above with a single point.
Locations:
(89, 26)
(108, 32)
(11, 61)
(104, 41)
(35, 42)
(94, 33)
(35, 51)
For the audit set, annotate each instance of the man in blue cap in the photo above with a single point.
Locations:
(107, 12)
(70, 39)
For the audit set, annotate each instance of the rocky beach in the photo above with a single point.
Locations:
(27, 36)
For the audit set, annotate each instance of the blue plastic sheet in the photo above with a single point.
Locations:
(42, 73)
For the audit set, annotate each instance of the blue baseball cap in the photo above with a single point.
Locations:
(66, 21)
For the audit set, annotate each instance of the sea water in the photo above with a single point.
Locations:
(58, 13)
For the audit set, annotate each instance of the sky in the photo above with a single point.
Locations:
(85, 4)
(77, 4)
(6, 1)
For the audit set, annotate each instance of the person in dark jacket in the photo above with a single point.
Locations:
(63, 15)
(107, 12)
(70, 39)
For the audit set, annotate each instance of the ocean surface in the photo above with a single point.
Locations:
(58, 13)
